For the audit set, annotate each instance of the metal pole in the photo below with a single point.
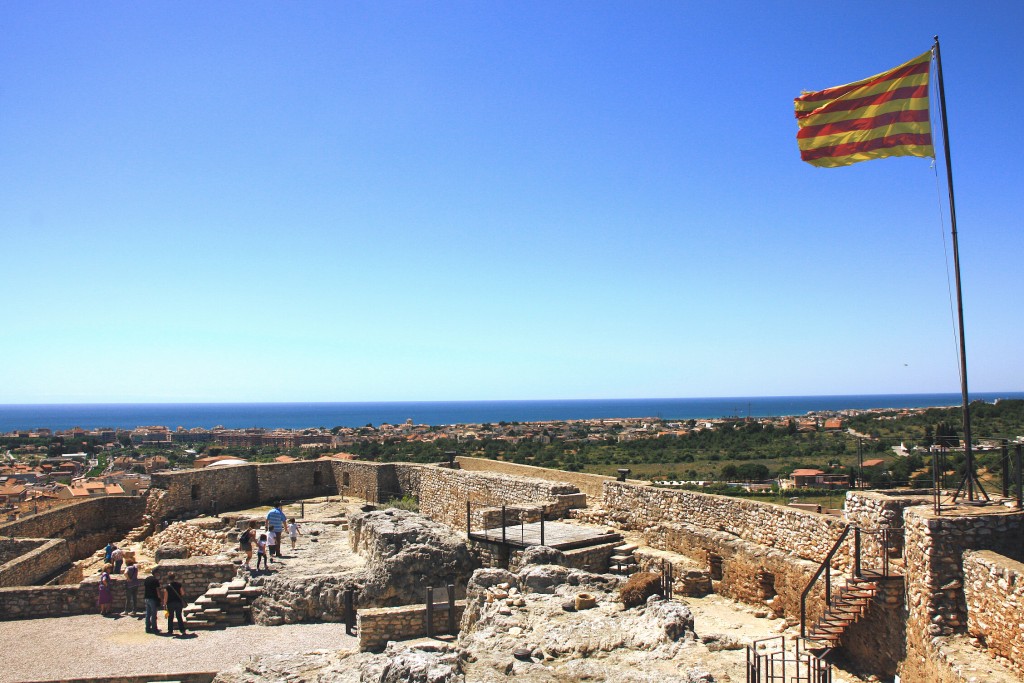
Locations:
(1019, 473)
(1006, 470)
(469, 527)
(970, 479)
(503, 524)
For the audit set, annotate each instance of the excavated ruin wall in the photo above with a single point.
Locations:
(85, 525)
(33, 560)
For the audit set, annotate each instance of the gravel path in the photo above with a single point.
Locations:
(91, 645)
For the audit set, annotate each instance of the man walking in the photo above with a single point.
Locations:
(276, 522)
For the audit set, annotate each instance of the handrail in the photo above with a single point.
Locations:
(826, 564)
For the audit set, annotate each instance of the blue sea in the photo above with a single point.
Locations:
(303, 415)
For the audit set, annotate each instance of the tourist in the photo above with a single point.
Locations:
(131, 588)
(276, 522)
(273, 538)
(106, 591)
(261, 552)
(174, 601)
(151, 595)
(245, 541)
(293, 531)
(117, 557)
(108, 550)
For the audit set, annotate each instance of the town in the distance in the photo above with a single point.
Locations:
(828, 450)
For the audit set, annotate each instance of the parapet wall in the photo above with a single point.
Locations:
(994, 592)
(806, 535)
(934, 555)
(590, 484)
(443, 493)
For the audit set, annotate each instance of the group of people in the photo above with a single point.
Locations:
(169, 595)
(267, 543)
(113, 558)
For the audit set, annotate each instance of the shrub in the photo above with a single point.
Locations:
(404, 503)
(639, 587)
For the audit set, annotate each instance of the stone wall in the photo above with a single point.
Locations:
(443, 494)
(803, 534)
(379, 625)
(590, 484)
(33, 560)
(35, 602)
(206, 491)
(197, 573)
(85, 525)
(934, 558)
(217, 489)
(994, 593)
(294, 480)
(362, 479)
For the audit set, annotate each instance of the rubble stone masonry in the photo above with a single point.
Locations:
(994, 592)
(935, 568)
(33, 560)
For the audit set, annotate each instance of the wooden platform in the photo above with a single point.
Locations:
(556, 535)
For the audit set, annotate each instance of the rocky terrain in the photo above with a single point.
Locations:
(526, 626)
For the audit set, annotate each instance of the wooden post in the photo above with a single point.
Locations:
(349, 611)
(430, 613)
(469, 527)
(451, 610)
(503, 523)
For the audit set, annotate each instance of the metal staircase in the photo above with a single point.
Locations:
(855, 594)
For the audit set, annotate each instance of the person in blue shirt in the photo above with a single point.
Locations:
(276, 522)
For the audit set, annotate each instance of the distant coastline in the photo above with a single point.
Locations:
(306, 415)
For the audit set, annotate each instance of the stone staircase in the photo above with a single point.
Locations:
(849, 605)
(229, 604)
(623, 560)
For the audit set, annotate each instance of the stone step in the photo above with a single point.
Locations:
(625, 548)
(623, 559)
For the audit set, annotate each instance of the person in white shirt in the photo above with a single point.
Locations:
(293, 531)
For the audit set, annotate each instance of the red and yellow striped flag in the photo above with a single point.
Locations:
(881, 116)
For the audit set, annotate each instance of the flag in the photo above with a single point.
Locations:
(881, 116)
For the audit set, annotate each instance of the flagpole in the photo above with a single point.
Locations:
(970, 478)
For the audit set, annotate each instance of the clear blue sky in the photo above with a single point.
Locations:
(428, 201)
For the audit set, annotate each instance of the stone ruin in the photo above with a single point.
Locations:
(954, 614)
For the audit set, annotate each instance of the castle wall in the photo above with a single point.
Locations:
(207, 490)
(806, 535)
(994, 593)
(590, 484)
(443, 493)
(935, 574)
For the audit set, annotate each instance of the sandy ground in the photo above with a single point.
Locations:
(91, 645)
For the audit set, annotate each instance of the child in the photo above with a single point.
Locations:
(293, 531)
(273, 538)
(261, 552)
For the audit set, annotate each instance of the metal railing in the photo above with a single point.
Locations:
(768, 661)
(888, 540)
